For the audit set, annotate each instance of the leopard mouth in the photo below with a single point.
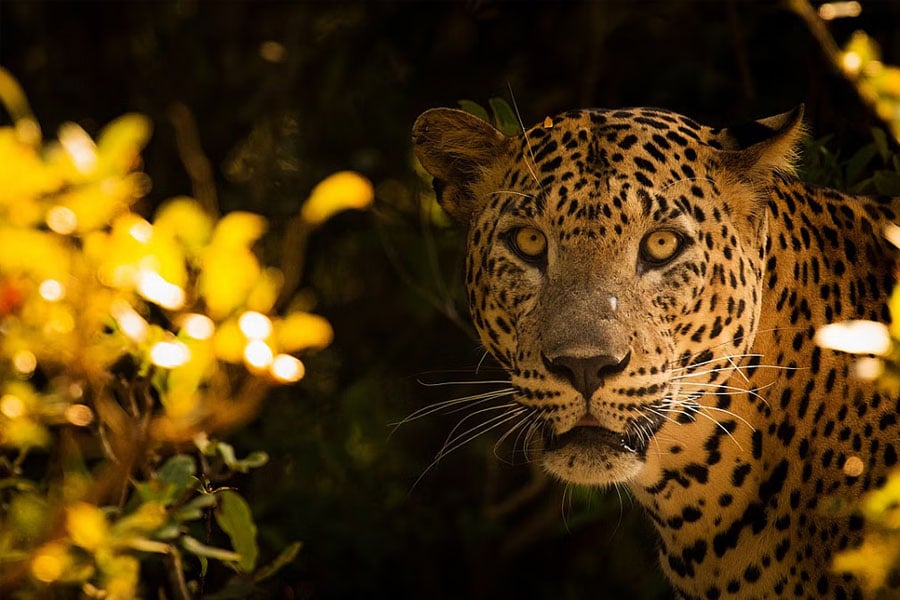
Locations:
(589, 433)
(587, 436)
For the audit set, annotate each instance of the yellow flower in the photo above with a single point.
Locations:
(51, 562)
(228, 276)
(238, 229)
(871, 562)
(341, 191)
(120, 143)
(300, 330)
(149, 517)
(264, 294)
(184, 219)
(23, 175)
(87, 526)
(37, 253)
(229, 269)
(120, 576)
(229, 342)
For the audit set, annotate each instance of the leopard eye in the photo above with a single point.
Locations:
(661, 246)
(529, 243)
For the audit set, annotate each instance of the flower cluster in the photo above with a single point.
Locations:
(121, 339)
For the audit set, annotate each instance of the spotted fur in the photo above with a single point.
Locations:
(694, 381)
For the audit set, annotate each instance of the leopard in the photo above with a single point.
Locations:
(653, 288)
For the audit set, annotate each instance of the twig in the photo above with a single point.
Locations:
(187, 140)
(818, 29)
(293, 253)
(176, 574)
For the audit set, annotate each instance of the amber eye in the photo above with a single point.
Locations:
(529, 243)
(659, 247)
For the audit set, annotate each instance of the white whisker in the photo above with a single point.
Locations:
(452, 406)
(531, 169)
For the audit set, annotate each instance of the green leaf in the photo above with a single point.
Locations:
(253, 460)
(887, 183)
(193, 510)
(859, 161)
(862, 187)
(200, 549)
(284, 558)
(172, 481)
(179, 471)
(880, 141)
(234, 517)
(505, 117)
(474, 109)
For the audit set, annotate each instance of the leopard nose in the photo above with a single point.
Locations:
(586, 374)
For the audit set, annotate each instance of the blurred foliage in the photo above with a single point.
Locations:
(874, 168)
(125, 343)
(878, 83)
(280, 95)
(502, 115)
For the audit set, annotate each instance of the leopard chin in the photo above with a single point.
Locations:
(591, 456)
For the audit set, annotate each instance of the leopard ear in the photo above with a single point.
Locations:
(758, 148)
(456, 148)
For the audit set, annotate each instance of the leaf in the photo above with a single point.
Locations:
(238, 229)
(301, 330)
(120, 142)
(194, 546)
(193, 510)
(859, 161)
(172, 480)
(253, 460)
(879, 138)
(184, 219)
(178, 470)
(474, 109)
(229, 274)
(862, 187)
(284, 558)
(87, 526)
(177, 477)
(504, 117)
(338, 192)
(887, 183)
(235, 519)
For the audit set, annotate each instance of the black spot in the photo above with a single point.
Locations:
(757, 444)
(890, 455)
(752, 573)
(740, 474)
(691, 514)
(698, 472)
(628, 141)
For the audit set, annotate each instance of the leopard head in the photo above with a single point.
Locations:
(614, 268)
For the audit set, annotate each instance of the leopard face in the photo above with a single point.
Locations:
(612, 281)
(653, 288)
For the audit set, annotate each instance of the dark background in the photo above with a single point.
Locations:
(352, 80)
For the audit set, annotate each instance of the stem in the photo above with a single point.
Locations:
(176, 575)
(187, 140)
(293, 252)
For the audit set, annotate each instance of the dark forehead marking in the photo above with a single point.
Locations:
(523, 205)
